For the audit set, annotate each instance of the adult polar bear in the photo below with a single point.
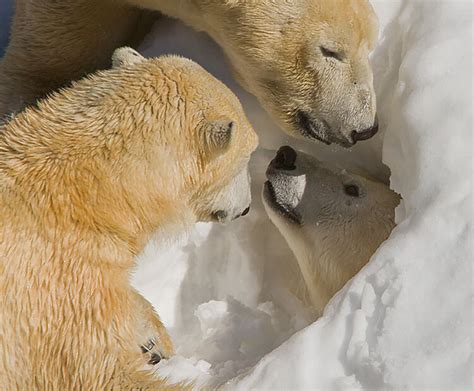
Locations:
(82, 190)
(306, 61)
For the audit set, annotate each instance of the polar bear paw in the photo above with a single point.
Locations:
(152, 352)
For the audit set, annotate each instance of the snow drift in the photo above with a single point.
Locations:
(405, 320)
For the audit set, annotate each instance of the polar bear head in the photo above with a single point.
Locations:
(306, 61)
(202, 126)
(145, 145)
(332, 219)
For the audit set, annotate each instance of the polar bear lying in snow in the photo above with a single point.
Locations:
(333, 220)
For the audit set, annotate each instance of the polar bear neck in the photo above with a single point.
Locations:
(64, 205)
(188, 11)
(215, 18)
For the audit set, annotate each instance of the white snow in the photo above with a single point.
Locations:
(405, 321)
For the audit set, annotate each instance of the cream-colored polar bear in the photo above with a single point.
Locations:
(333, 220)
(306, 61)
(85, 178)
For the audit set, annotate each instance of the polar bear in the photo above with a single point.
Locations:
(85, 178)
(306, 61)
(333, 220)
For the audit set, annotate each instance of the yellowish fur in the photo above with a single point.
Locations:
(85, 179)
(54, 42)
(274, 47)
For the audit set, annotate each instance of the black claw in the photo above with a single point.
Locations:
(146, 348)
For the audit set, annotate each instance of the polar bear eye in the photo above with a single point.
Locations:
(330, 53)
(352, 190)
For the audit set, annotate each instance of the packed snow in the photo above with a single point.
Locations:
(405, 320)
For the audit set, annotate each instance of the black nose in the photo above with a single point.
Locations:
(284, 159)
(365, 134)
(246, 211)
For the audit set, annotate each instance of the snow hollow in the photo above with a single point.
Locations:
(405, 320)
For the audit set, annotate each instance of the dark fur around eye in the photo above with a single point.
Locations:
(352, 190)
(330, 53)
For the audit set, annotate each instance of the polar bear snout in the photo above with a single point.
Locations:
(365, 134)
(285, 159)
(284, 189)
(234, 199)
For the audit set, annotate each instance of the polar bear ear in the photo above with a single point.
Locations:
(218, 135)
(125, 56)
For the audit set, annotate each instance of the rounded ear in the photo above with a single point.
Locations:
(125, 56)
(217, 136)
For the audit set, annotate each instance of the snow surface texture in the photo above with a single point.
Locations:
(405, 320)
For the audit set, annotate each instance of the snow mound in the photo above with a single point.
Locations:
(405, 320)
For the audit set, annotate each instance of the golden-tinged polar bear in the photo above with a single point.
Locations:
(333, 220)
(306, 61)
(85, 178)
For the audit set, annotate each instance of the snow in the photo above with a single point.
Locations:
(405, 321)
